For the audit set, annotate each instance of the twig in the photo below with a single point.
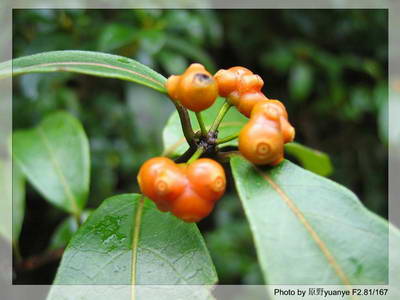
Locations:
(186, 124)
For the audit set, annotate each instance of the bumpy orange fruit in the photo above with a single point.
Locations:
(241, 87)
(275, 110)
(228, 80)
(195, 89)
(189, 191)
(161, 180)
(261, 141)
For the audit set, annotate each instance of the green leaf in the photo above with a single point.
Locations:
(301, 219)
(300, 81)
(66, 230)
(85, 62)
(54, 157)
(311, 159)
(18, 202)
(174, 140)
(12, 202)
(127, 240)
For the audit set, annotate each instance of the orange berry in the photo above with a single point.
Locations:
(188, 191)
(195, 89)
(161, 180)
(247, 101)
(276, 111)
(228, 80)
(239, 71)
(250, 83)
(190, 207)
(261, 141)
(207, 178)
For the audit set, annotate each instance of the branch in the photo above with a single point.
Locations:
(186, 124)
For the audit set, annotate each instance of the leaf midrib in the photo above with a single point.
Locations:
(135, 243)
(93, 64)
(67, 190)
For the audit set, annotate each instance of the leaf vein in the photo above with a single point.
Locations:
(59, 172)
(320, 243)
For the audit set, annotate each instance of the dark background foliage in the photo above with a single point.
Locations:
(329, 67)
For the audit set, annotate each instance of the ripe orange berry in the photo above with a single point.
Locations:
(250, 83)
(261, 141)
(207, 178)
(247, 101)
(195, 89)
(276, 111)
(189, 191)
(228, 80)
(161, 180)
(190, 207)
(241, 87)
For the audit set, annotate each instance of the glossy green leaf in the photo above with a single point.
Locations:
(127, 240)
(54, 157)
(85, 62)
(174, 141)
(66, 230)
(312, 160)
(309, 229)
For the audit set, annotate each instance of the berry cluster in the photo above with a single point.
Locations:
(190, 190)
(241, 87)
(262, 139)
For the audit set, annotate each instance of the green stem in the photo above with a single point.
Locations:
(228, 138)
(221, 114)
(186, 125)
(201, 124)
(196, 155)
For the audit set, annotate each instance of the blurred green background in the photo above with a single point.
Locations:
(329, 67)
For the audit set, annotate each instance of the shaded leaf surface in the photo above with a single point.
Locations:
(310, 230)
(106, 249)
(85, 62)
(54, 157)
